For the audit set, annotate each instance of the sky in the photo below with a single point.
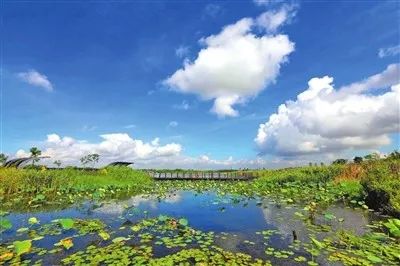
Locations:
(200, 84)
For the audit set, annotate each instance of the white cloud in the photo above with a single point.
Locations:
(155, 142)
(223, 106)
(234, 66)
(182, 51)
(323, 120)
(117, 146)
(272, 20)
(205, 162)
(88, 128)
(130, 126)
(121, 147)
(22, 154)
(173, 124)
(389, 51)
(182, 106)
(34, 78)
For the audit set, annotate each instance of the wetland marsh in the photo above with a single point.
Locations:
(299, 216)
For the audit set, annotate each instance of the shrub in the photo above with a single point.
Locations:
(381, 181)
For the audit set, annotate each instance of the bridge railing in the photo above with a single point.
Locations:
(212, 175)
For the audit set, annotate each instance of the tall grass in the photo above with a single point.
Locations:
(381, 181)
(32, 181)
(300, 174)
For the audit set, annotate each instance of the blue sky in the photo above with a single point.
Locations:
(103, 70)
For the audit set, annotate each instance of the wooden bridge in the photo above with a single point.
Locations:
(211, 175)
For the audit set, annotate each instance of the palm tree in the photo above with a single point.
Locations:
(35, 153)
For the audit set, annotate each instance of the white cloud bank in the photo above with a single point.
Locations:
(121, 147)
(118, 146)
(323, 119)
(236, 64)
(36, 79)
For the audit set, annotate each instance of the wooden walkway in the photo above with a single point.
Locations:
(201, 175)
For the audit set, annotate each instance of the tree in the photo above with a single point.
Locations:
(3, 158)
(394, 155)
(35, 153)
(84, 160)
(339, 161)
(372, 156)
(58, 163)
(358, 159)
(90, 158)
(94, 157)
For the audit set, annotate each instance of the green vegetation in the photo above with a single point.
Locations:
(32, 188)
(381, 183)
(374, 181)
(367, 183)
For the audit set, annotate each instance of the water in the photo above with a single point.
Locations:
(237, 219)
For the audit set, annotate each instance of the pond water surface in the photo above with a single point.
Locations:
(236, 222)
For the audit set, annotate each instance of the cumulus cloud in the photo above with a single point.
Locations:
(236, 64)
(22, 154)
(36, 79)
(323, 119)
(389, 51)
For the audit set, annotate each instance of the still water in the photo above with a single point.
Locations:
(239, 219)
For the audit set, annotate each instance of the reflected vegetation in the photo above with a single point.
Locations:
(192, 227)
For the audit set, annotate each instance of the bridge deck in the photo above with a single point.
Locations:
(201, 176)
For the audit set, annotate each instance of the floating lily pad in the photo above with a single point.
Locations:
(66, 223)
(5, 224)
(33, 220)
(22, 247)
(183, 222)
